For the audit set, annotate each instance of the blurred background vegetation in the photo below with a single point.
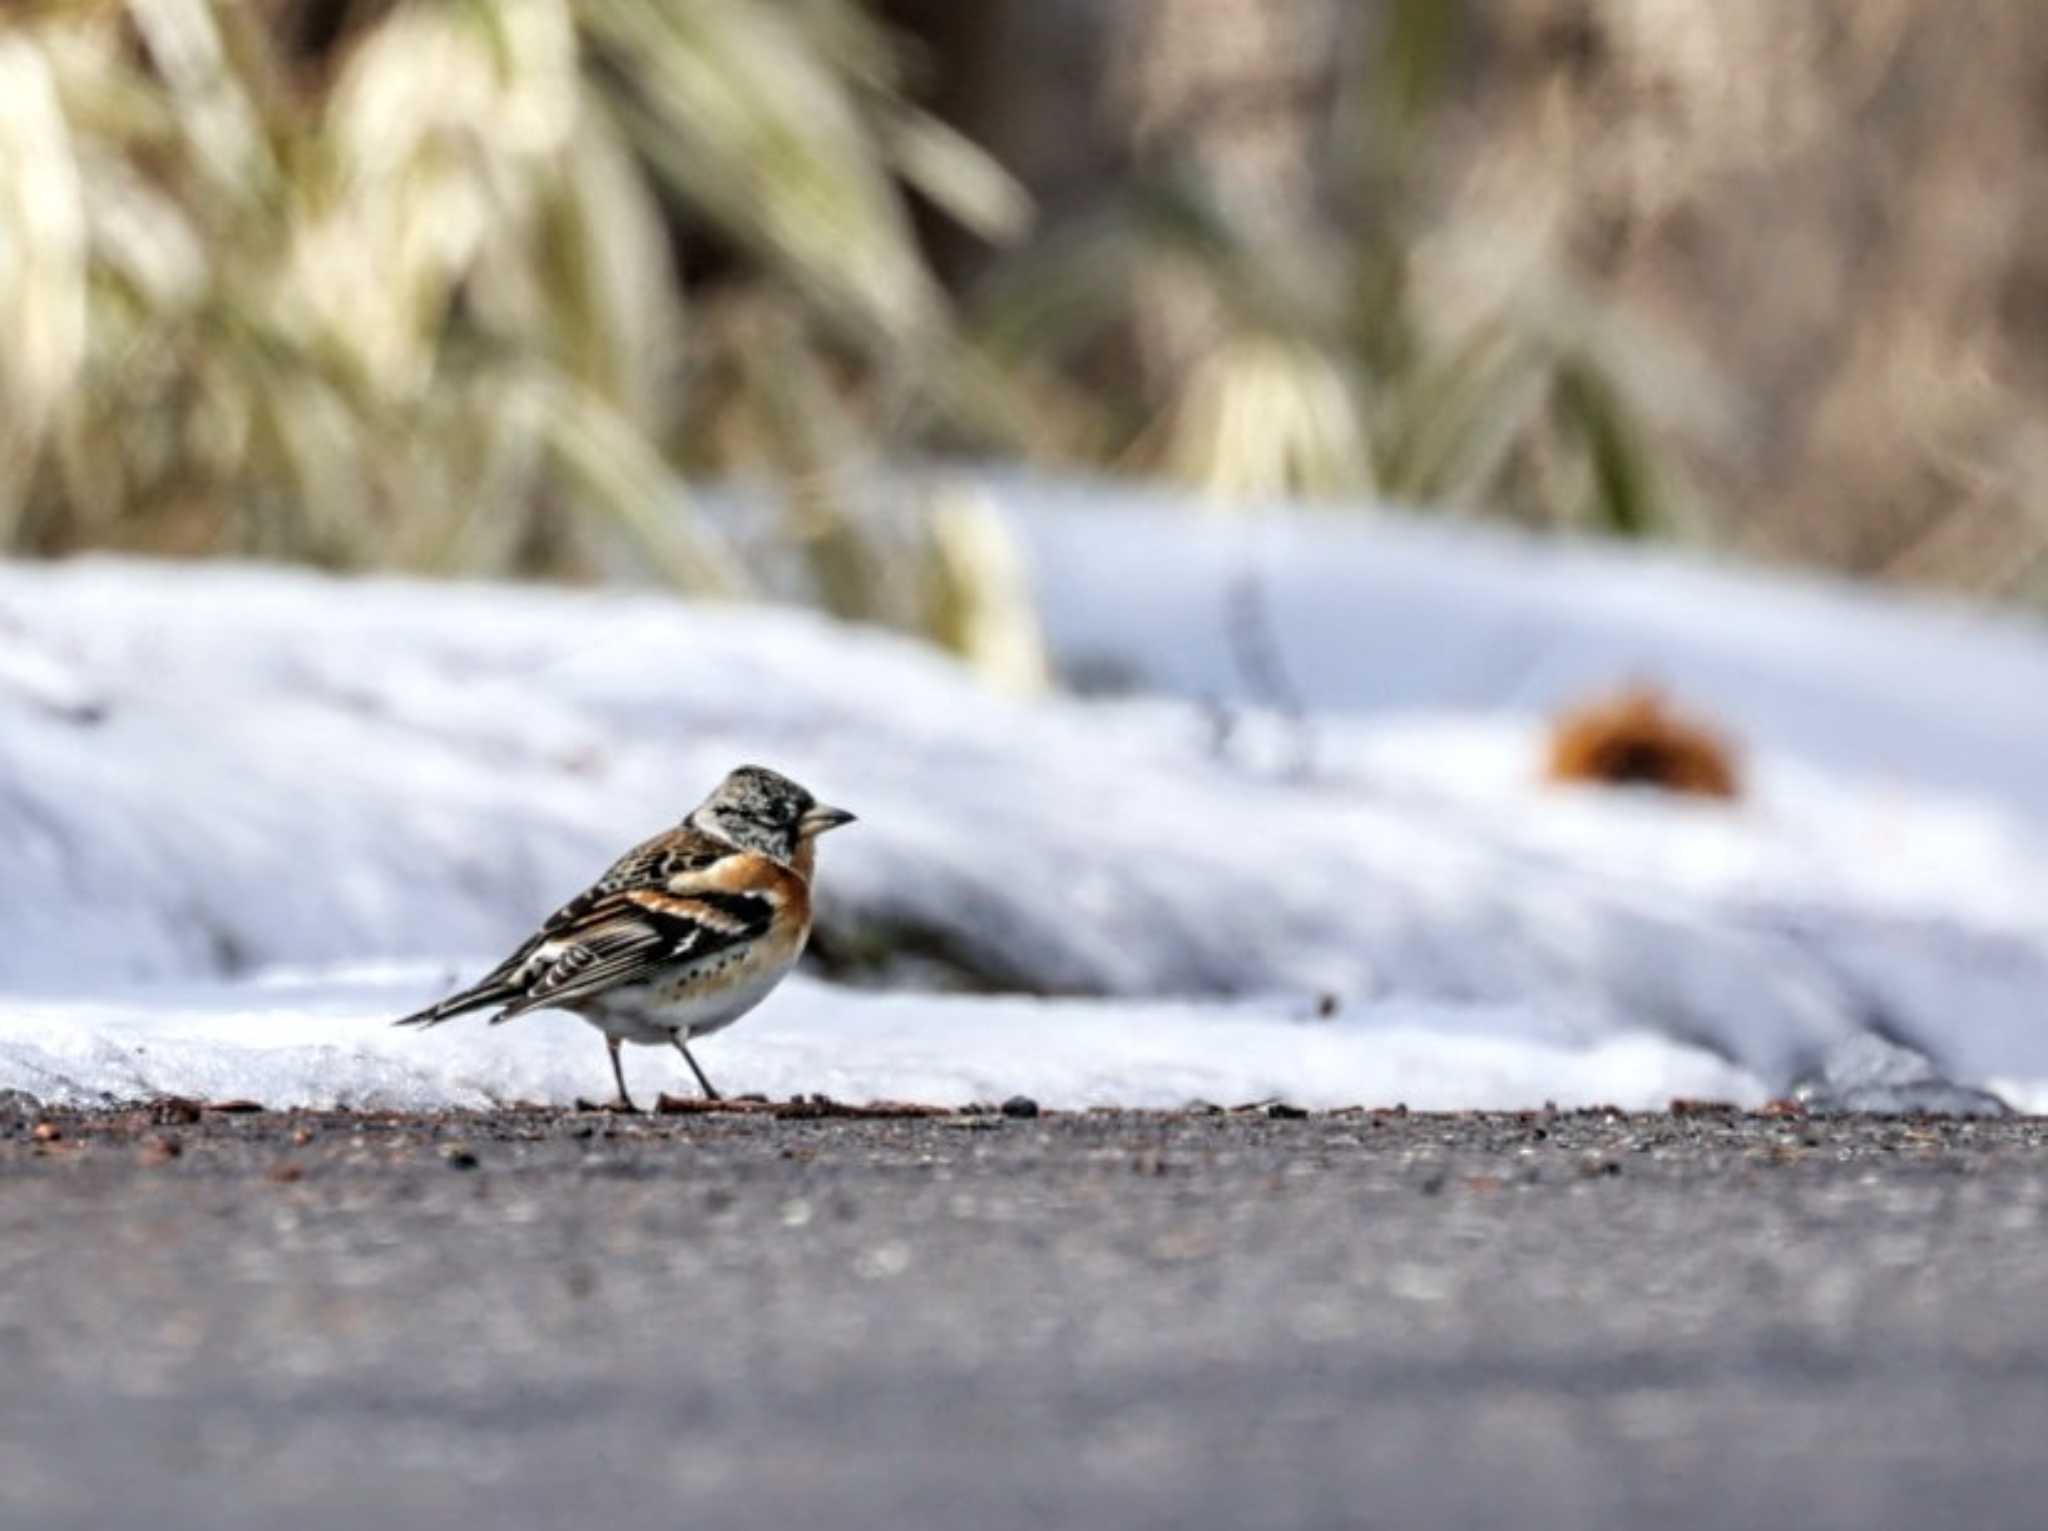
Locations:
(484, 286)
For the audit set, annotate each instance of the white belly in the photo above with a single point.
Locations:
(675, 1008)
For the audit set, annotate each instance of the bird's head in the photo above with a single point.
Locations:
(762, 810)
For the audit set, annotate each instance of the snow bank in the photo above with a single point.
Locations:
(324, 1040)
(218, 770)
(1388, 615)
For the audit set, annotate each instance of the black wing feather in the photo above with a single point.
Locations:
(511, 983)
(623, 939)
(647, 865)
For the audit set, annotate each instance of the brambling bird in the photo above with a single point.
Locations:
(684, 935)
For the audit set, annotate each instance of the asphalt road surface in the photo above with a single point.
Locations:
(1118, 1321)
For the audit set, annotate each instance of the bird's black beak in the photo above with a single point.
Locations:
(822, 818)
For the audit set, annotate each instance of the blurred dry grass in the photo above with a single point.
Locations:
(463, 286)
(1839, 206)
(1266, 304)
(394, 285)
(1767, 274)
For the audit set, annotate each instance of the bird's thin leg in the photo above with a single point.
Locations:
(625, 1101)
(709, 1093)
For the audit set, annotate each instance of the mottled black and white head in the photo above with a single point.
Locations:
(764, 811)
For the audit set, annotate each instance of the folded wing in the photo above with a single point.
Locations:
(630, 937)
(676, 898)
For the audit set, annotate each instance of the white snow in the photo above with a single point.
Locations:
(324, 1039)
(211, 772)
(1392, 615)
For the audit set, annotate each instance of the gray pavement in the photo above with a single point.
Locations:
(1129, 1321)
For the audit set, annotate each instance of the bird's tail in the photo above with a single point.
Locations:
(492, 991)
